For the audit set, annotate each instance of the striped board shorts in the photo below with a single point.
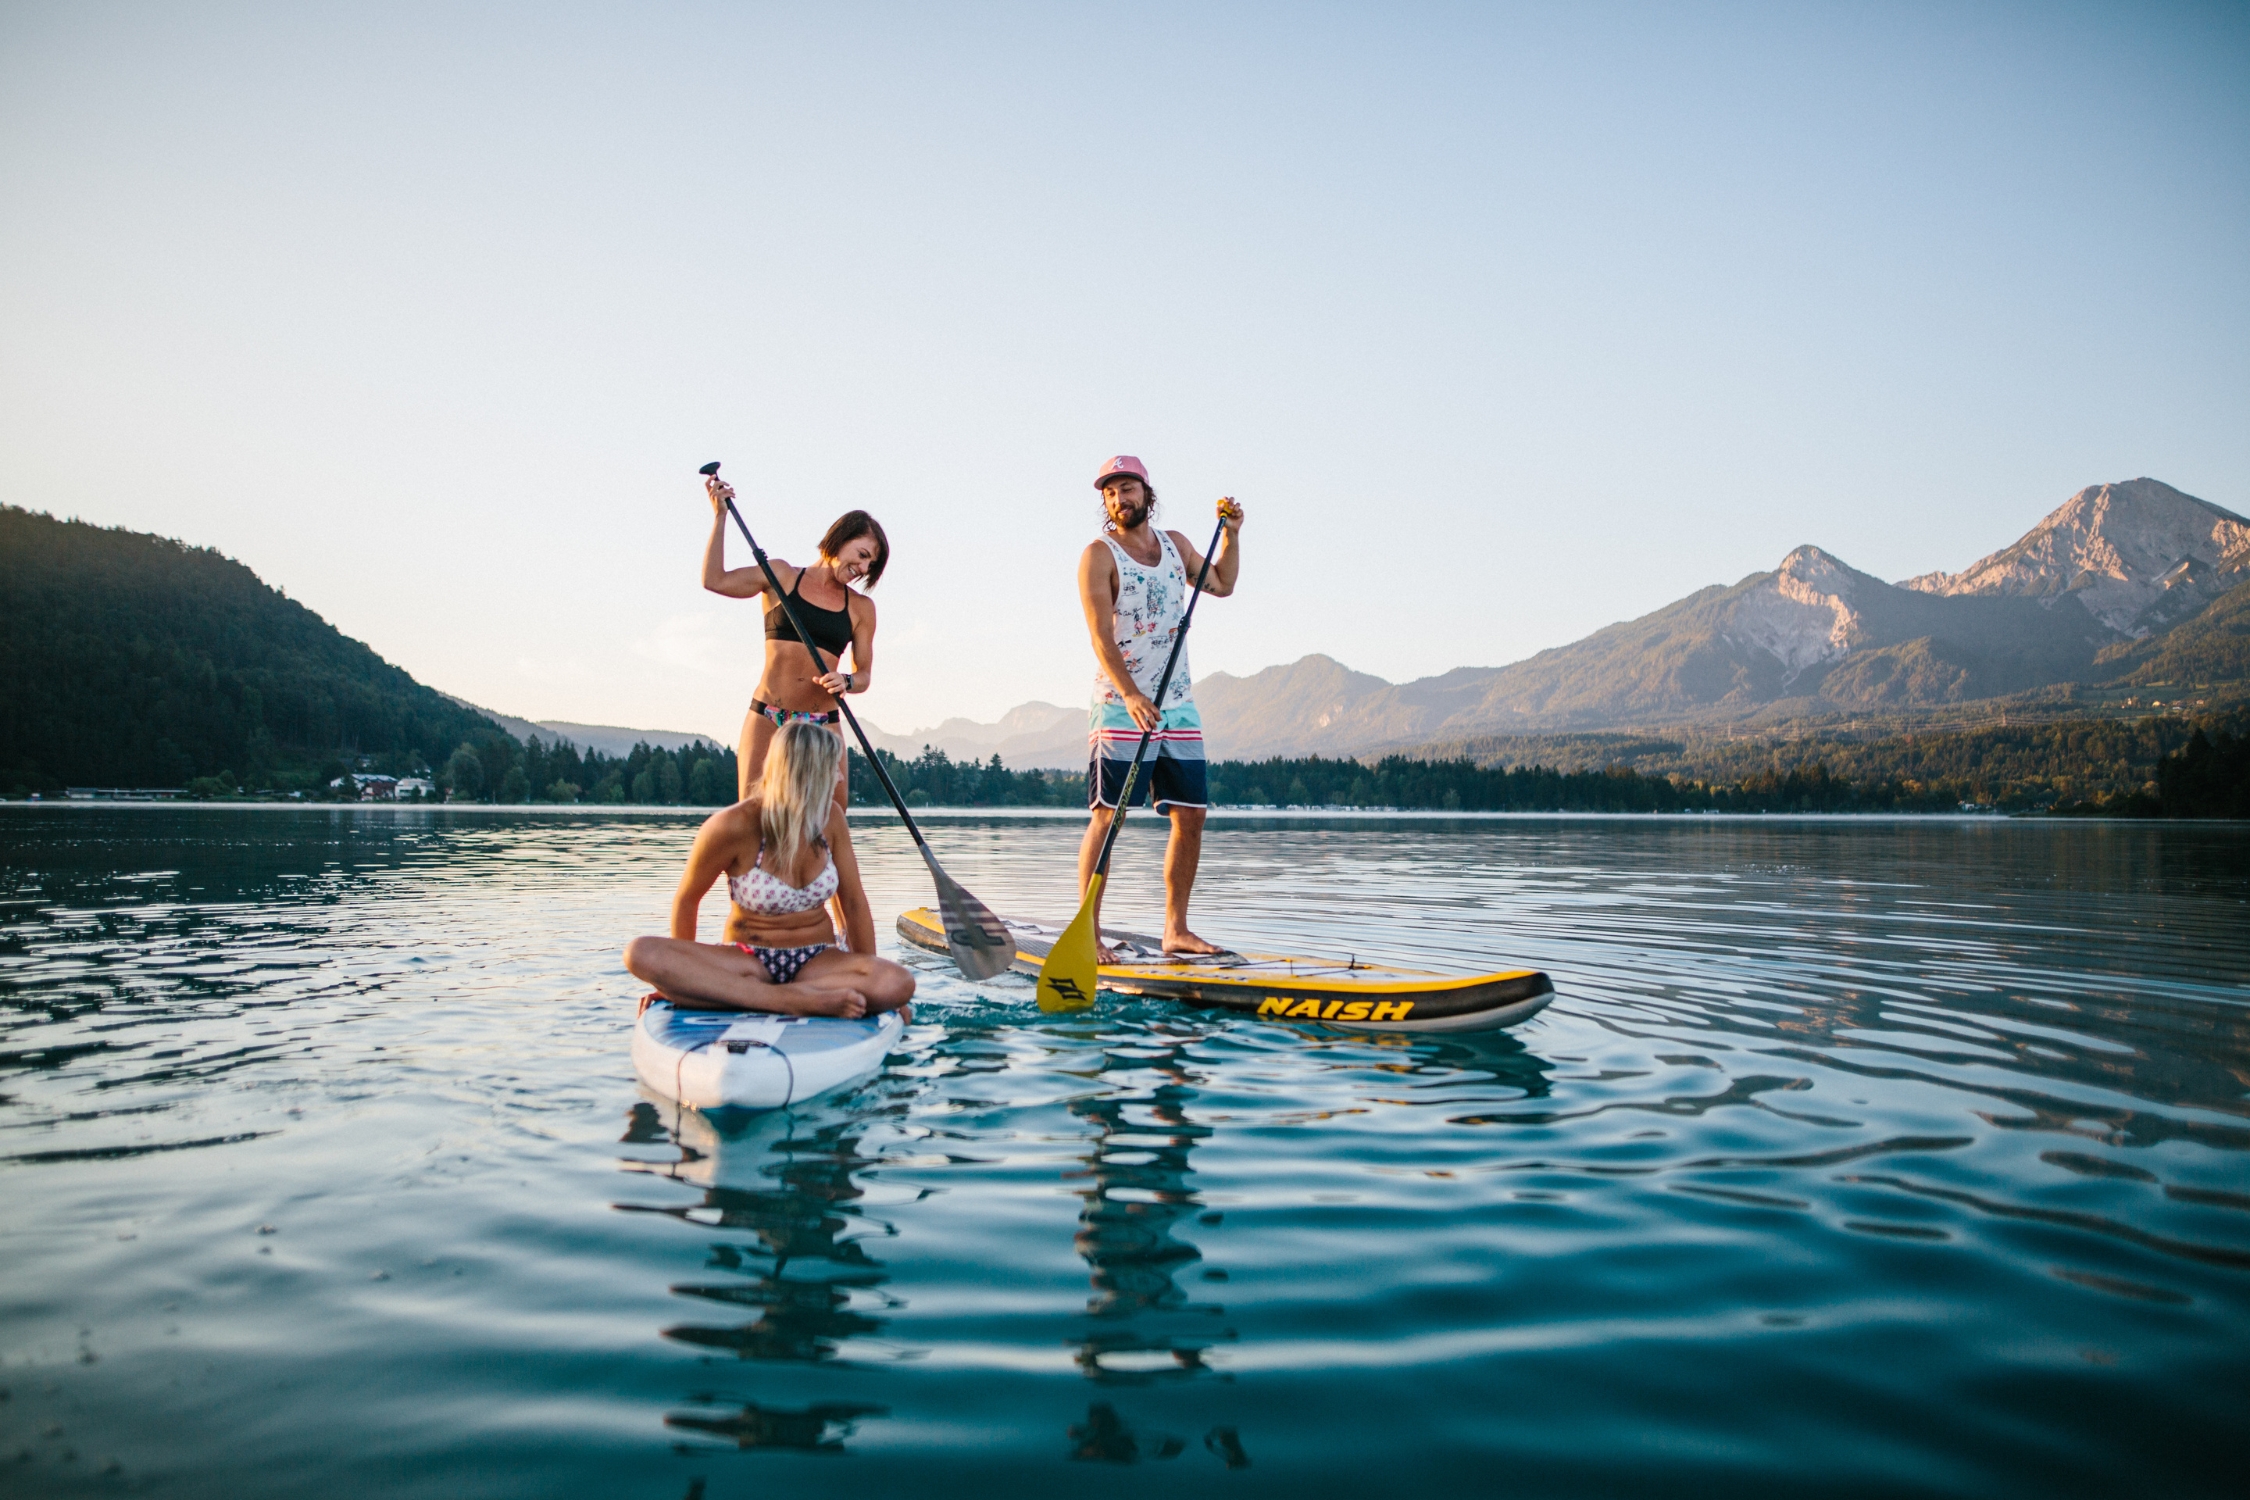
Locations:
(1172, 769)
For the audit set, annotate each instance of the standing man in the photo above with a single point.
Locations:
(1134, 583)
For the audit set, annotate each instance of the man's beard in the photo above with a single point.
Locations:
(1127, 517)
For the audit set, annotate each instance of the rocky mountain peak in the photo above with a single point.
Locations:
(2139, 555)
(1813, 637)
(1804, 613)
(1808, 568)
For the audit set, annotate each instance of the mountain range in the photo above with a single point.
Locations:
(1030, 734)
(609, 739)
(2111, 591)
(131, 660)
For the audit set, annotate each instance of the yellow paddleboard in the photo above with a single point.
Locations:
(1284, 987)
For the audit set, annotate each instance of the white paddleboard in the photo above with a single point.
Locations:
(734, 1059)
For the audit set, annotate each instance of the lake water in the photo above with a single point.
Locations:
(1852, 1158)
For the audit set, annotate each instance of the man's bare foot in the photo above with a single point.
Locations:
(1105, 954)
(1187, 942)
(850, 1004)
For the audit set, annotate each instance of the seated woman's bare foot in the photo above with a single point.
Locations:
(1184, 941)
(850, 1004)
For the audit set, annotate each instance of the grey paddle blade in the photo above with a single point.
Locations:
(978, 940)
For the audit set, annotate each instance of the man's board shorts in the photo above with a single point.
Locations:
(1172, 768)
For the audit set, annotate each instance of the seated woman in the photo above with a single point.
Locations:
(784, 851)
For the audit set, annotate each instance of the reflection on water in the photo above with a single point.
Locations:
(804, 1269)
(820, 1428)
(1914, 1153)
(1144, 1327)
(1104, 1438)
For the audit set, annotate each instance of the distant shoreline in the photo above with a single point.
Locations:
(1078, 815)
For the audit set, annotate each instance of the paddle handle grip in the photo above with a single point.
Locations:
(1163, 685)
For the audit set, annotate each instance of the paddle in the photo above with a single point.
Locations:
(1066, 979)
(978, 940)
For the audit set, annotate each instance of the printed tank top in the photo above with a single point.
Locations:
(1150, 602)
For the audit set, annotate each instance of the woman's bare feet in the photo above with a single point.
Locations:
(850, 1004)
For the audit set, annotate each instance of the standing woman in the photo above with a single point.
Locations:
(791, 689)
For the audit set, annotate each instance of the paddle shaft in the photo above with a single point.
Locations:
(805, 638)
(1163, 685)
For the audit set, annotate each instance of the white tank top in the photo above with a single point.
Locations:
(1150, 602)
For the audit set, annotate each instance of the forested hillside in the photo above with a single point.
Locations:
(2212, 648)
(935, 779)
(703, 775)
(499, 768)
(132, 660)
(2159, 766)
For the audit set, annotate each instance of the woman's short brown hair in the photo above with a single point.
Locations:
(849, 528)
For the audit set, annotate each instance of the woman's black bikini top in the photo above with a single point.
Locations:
(831, 628)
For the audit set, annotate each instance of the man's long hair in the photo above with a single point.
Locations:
(796, 791)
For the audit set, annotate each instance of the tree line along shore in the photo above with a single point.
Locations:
(2152, 768)
(134, 661)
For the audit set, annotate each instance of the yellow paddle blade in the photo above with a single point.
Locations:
(1066, 979)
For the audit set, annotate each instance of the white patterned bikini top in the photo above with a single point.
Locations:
(761, 892)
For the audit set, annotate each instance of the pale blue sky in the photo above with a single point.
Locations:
(1504, 322)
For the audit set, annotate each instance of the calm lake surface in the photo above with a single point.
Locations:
(1852, 1158)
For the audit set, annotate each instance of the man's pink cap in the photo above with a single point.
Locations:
(1123, 464)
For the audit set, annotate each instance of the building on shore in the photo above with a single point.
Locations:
(371, 786)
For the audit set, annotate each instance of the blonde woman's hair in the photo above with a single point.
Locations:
(795, 791)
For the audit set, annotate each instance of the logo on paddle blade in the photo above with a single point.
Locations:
(1067, 988)
(971, 937)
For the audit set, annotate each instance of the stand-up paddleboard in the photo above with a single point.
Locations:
(736, 1059)
(1284, 987)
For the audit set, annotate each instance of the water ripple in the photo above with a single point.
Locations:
(1912, 1152)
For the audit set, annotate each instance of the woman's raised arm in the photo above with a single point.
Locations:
(735, 583)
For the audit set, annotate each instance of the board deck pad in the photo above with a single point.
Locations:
(732, 1059)
(791, 1034)
(1279, 986)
